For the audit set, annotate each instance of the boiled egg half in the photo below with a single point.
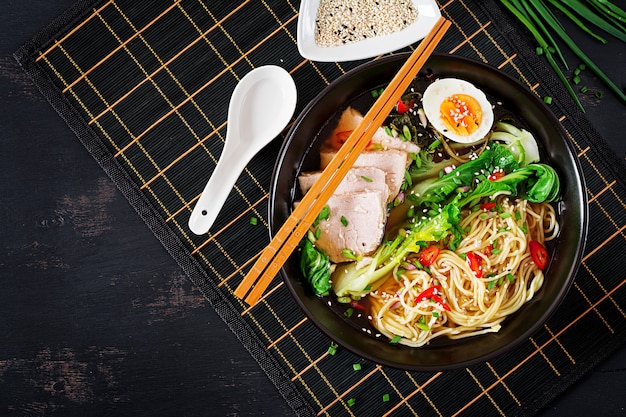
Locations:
(458, 110)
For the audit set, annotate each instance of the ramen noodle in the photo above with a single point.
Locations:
(473, 304)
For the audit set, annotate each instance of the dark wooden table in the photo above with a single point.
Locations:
(89, 328)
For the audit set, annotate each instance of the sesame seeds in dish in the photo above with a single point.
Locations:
(342, 21)
(335, 31)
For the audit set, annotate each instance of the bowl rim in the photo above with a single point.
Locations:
(580, 198)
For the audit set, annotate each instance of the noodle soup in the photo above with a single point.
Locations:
(349, 326)
(463, 281)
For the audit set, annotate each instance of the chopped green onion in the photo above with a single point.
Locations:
(378, 92)
(363, 177)
(434, 145)
(348, 313)
(547, 100)
(324, 215)
(349, 254)
(408, 178)
(356, 366)
(510, 277)
(344, 221)
(598, 94)
(576, 80)
(395, 339)
(524, 228)
(423, 326)
(332, 349)
(351, 402)
(385, 398)
(583, 89)
(254, 221)
(406, 133)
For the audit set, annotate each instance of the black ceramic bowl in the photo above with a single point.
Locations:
(300, 153)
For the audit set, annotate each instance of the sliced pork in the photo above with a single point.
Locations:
(350, 119)
(392, 161)
(358, 207)
(356, 224)
(357, 179)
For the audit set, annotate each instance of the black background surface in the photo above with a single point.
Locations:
(88, 329)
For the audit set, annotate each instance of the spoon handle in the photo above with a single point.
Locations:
(208, 206)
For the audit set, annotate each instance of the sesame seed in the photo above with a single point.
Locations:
(344, 21)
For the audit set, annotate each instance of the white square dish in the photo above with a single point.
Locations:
(428, 13)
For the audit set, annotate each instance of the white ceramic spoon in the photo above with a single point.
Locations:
(261, 106)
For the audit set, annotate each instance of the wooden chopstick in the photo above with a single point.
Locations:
(298, 223)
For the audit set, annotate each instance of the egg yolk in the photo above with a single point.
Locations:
(461, 114)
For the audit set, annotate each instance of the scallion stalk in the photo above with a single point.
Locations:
(589, 15)
(559, 5)
(521, 16)
(546, 33)
(538, 4)
(542, 23)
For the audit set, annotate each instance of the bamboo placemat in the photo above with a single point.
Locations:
(145, 86)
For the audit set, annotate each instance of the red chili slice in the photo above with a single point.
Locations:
(488, 206)
(403, 107)
(539, 254)
(427, 293)
(356, 305)
(474, 262)
(438, 300)
(496, 175)
(343, 136)
(429, 255)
